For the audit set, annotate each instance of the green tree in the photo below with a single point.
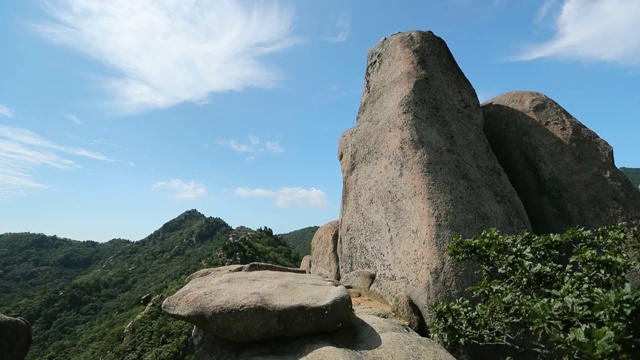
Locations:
(556, 296)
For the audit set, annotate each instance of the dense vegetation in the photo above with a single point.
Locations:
(633, 174)
(300, 240)
(89, 300)
(555, 296)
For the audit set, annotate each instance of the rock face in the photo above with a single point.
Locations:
(370, 334)
(324, 251)
(247, 306)
(563, 172)
(360, 280)
(417, 171)
(15, 338)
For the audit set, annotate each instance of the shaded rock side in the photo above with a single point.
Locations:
(305, 264)
(417, 171)
(15, 338)
(248, 306)
(563, 172)
(370, 334)
(324, 251)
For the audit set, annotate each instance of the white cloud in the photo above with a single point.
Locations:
(340, 29)
(602, 30)
(23, 151)
(6, 112)
(289, 196)
(166, 52)
(183, 190)
(254, 146)
(246, 192)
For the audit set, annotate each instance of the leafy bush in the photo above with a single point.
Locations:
(556, 296)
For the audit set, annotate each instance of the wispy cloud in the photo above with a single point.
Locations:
(182, 190)
(588, 30)
(23, 151)
(289, 196)
(544, 10)
(166, 52)
(6, 112)
(340, 28)
(254, 146)
(74, 119)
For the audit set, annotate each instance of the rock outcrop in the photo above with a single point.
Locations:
(563, 172)
(371, 333)
(15, 338)
(244, 306)
(324, 250)
(417, 171)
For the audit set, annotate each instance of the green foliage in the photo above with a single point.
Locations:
(558, 296)
(633, 174)
(300, 240)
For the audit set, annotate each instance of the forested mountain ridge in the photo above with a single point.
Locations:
(86, 300)
(633, 174)
(300, 240)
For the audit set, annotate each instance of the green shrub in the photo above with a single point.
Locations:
(556, 296)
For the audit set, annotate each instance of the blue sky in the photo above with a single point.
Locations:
(116, 116)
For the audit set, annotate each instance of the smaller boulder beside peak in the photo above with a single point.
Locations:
(563, 172)
(324, 250)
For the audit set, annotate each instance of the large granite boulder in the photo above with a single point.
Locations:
(563, 172)
(15, 338)
(247, 306)
(417, 171)
(371, 333)
(324, 251)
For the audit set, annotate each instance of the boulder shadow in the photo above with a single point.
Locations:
(357, 335)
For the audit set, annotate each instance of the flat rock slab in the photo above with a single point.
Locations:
(256, 305)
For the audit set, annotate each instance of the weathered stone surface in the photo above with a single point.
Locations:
(15, 338)
(214, 272)
(254, 305)
(305, 264)
(405, 309)
(417, 171)
(255, 266)
(370, 334)
(324, 251)
(563, 172)
(360, 280)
